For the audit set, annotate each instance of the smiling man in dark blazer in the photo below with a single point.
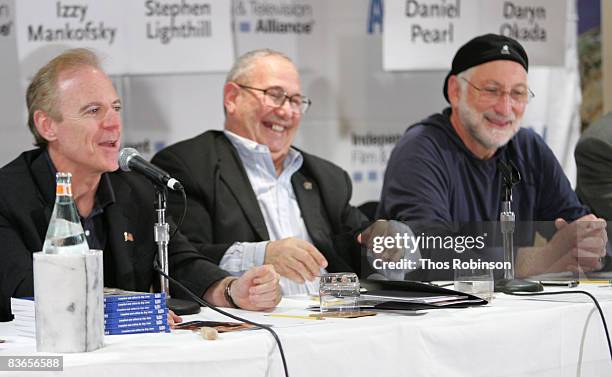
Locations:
(74, 117)
(255, 199)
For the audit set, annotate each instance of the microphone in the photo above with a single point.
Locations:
(510, 175)
(131, 160)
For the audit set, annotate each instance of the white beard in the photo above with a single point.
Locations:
(475, 123)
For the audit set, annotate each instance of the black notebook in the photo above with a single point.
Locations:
(413, 295)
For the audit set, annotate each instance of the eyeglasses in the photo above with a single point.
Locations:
(494, 93)
(276, 96)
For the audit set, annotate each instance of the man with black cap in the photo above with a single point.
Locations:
(445, 171)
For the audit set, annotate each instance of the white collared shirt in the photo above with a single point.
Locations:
(279, 208)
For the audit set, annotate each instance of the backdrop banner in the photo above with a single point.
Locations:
(136, 37)
(424, 34)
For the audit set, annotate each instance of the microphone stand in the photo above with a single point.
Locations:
(507, 223)
(508, 284)
(161, 231)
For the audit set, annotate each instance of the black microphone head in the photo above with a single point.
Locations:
(516, 174)
(125, 156)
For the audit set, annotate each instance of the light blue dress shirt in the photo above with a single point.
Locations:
(279, 208)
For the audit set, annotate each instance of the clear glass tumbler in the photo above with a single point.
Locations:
(339, 291)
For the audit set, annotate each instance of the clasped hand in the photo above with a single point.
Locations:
(581, 244)
(295, 259)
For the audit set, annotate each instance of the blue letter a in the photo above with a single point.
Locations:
(375, 15)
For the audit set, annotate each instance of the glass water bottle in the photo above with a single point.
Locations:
(65, 233)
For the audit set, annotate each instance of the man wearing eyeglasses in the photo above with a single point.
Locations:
(445, 169)
(253, 198)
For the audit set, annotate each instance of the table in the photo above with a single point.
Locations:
(513, 336)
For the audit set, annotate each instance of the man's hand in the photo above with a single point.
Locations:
(382, 229)
(257, 289)
(577, 247)
(173, 319)
(295, 259)
(585, 241)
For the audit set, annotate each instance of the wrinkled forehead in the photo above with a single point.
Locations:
(503, 72)
(275, 71)
(85, 84)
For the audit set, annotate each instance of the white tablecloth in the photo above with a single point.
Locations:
(557, 336)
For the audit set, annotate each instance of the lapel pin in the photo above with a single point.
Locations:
(127, 236)
(307, 185)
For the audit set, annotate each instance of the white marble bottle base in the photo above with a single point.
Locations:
(68, 291)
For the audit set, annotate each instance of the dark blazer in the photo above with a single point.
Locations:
(27, 197)
(594, 162)
(222, 207)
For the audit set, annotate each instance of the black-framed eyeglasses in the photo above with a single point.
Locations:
(494, 93)
(276, 96)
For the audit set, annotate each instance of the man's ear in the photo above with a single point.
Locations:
(453, 90)
(230, 92)
(45, 125)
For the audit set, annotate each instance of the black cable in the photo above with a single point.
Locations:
(203, 302)
(180, 223)
(603, 319)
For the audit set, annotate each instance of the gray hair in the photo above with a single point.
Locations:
(467, 74)
(246, 62)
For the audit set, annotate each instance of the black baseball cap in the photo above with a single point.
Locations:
(483, 49)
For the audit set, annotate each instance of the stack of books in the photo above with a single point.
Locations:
(134, 312)
(125, 312)
(24, 310)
